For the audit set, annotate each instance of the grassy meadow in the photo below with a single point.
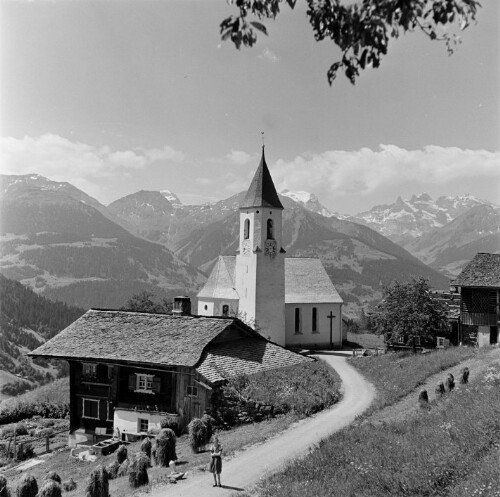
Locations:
(395, 375)
(450, 449)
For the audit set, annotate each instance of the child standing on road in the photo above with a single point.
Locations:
(216, 462)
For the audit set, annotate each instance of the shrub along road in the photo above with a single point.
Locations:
(246, 468)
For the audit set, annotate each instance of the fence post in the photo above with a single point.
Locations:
(15, 441)
(47, 444)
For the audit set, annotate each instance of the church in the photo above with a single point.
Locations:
(290, 301)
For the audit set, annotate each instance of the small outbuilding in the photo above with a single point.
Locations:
(479, 288)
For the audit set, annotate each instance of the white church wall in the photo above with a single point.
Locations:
(306, 336)
(205, 308)
(214, 307)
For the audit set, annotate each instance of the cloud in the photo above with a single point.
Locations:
(239, 157)
(268, 55)
(367, 171)
(61, 159)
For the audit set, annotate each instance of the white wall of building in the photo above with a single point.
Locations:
(483, 336)
(214, 307)
(306, 335)
(127, 421)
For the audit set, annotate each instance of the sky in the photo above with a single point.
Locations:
(120, 96)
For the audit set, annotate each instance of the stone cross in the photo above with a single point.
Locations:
(331, 317)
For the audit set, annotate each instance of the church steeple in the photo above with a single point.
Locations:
(262, 192)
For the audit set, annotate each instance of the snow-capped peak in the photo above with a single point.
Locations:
(172, 198)
(299, 196)
(310, 202)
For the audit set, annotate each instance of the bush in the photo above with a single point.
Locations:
(52, 475)
(138, 470)
(28, 487)
(146, 447)
(4, 489)
(7, 432)
(197, 434)
(165, 447)
(25, 451)
(50, 488)
(69, 485)
(44, 432)
(98, 485)
(121, 454)
(24, 410)
(21, 429)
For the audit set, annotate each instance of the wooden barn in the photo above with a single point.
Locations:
(130, 370)
(479, 288)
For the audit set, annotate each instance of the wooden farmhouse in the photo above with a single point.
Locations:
(130, 370)
(479, 288)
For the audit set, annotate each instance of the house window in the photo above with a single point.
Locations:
(270, 229)
(315, 320)
(401, 340)
(144, 383)
(89, 371)
(298, 324)
(142, 425)
(90, 409)
(246, 230)
(225, 310)
(192, 390)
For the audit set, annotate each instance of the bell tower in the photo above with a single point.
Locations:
(260, 263)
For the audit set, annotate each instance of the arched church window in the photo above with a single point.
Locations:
(270, 229)
(225, 310)
(246, 229)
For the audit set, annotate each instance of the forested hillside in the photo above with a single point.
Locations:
(26, 321)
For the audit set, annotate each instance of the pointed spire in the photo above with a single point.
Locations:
(262, 192)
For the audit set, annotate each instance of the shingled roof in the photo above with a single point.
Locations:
(245, 356)
(120, 336)
(306, 281)
(220, 283)
(482, 271)
(165, 340)
(262, 192)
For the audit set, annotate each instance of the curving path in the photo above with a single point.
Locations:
(246, 468)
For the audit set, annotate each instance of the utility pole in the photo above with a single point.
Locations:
(331, 318)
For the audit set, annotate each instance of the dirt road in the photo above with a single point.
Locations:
(244, 470)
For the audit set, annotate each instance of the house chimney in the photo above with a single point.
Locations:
(182, 306)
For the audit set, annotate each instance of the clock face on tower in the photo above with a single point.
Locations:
(246, 247)
(270, 248)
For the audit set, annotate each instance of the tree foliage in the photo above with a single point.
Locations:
(360, 29)
(409, 310)
(148, 302)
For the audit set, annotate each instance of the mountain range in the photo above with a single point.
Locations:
(444, 233)
(358, 259)
(68, 246)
